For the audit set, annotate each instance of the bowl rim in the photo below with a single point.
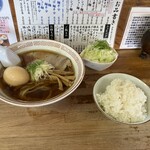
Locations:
(113, 75)
(55, 99)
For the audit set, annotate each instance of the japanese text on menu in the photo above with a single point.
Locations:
(75, 23)
(138, 23)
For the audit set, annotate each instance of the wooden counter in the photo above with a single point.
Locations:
(76, 123)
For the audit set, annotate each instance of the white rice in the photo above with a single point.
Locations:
(124, 101)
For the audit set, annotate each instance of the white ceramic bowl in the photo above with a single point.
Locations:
(53, 46)
(99, 66)
(103, 82)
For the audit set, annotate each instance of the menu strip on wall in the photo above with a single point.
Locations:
(7, 30)
(138, 23)
(75, 23)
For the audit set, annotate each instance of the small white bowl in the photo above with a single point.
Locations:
(52, 46)
(99, 66)
(103, 82)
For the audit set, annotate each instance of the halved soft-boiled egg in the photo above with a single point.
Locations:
(15, 76)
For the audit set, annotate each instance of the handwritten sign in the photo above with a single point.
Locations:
(75, 23)
(138, 23)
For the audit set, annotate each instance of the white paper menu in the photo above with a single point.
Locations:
(138, 23)
(73, 22)
(7, 30)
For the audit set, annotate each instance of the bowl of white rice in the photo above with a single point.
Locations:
(123, 98)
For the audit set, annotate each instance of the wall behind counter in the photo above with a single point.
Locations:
(127, 5)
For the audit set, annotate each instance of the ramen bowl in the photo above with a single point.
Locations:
(119, 101)
(52, 47)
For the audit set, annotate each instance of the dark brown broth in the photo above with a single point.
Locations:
(39, 94)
